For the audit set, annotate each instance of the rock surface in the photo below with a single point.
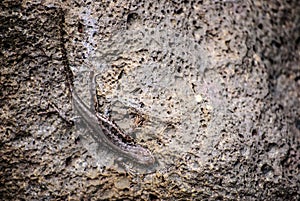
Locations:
(211, 88)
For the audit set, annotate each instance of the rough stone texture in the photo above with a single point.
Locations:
(218, 81)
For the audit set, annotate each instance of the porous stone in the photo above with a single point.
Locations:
(211, 88)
